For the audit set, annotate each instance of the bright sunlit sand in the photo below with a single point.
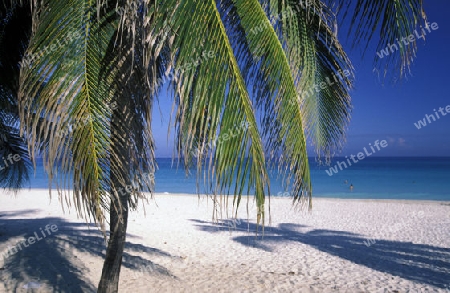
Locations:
(341, 246)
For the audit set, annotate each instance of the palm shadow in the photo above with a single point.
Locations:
(416, 262)
(53, 259)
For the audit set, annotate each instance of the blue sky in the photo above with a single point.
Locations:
(383, 109)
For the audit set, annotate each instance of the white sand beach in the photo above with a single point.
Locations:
(341, 246)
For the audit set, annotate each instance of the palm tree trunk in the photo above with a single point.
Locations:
(109, 282)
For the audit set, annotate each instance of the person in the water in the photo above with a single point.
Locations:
(351, 187)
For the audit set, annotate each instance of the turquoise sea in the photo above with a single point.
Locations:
(372, 178)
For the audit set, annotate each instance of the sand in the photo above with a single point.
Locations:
(341, 246)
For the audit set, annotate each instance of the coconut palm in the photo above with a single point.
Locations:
(273, 69)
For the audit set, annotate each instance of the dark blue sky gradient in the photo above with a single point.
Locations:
(383, 109)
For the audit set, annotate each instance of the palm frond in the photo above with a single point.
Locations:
(323, 70)
(93, 90)
(387, 21)
(64, 101)
(212, 101)
(275, 93)
(15, 27)
(15, 165)
(136, 70)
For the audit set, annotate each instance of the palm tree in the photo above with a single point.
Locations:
(92, 70)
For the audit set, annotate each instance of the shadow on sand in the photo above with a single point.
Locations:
(47, 260)
(416, 262)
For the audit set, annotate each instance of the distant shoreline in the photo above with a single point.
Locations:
(372, 178)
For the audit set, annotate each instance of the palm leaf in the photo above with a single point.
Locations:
(325, 72)
(93, 91)
(276, 94)
(215, 88)
(15, 27)
(60, 82)
(387, 21)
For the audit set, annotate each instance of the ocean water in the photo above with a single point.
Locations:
(386, 178)
(372, 178)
